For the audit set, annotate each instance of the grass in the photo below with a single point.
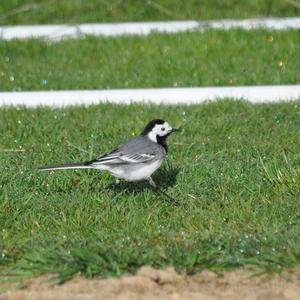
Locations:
(78, 11)
(234, 169)
(213, 58)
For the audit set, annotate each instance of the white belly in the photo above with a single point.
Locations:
(136, 172)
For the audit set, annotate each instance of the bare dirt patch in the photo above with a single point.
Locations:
(151, 284)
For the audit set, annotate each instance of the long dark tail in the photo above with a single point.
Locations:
(84, 165)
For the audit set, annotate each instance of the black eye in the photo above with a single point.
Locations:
(163, 129)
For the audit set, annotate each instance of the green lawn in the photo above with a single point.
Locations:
(234, 169)
(79, 11)
(214, 58)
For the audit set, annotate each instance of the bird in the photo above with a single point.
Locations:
(136, 160)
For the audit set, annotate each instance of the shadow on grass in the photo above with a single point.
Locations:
(164, 178)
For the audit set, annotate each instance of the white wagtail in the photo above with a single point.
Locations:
(134, 161)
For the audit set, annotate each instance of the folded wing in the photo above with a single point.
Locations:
(118, 157)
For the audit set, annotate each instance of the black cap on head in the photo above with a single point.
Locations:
(151, 124)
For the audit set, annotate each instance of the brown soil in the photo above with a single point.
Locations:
(151, 284)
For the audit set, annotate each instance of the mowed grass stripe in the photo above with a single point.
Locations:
(214, 58)
(64, 11)
(234, 169)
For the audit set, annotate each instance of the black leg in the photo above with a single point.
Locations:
(158, 190)
(151, 182)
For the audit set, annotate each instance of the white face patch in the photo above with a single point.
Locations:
(159, 130)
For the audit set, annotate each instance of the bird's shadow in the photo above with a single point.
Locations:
(164, 178)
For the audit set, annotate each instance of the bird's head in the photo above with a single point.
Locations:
(158, 130)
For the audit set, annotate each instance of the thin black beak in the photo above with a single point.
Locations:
(175, 129)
